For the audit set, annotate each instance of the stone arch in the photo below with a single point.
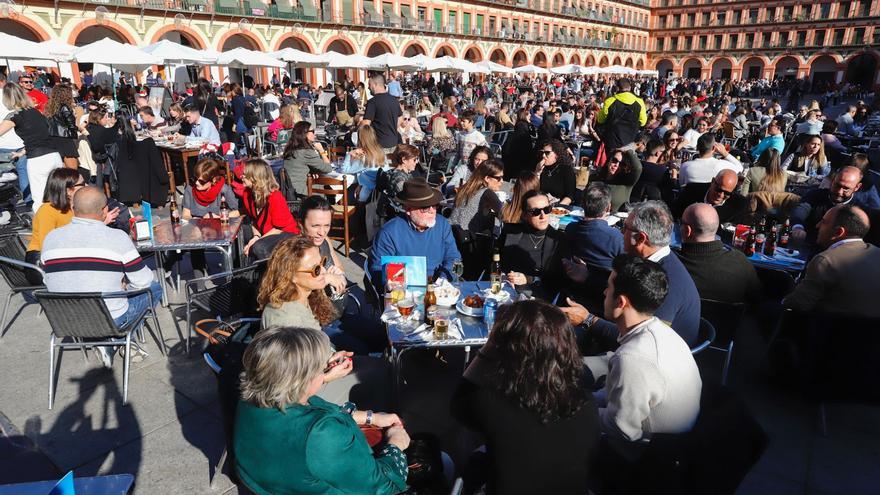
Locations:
(378, 47)
(540, 59)
(590, 61)
(296, 41)
(414, 48)
(722, 68)
(861, 68)
(832, 55)
(616, 61)
(823, 69)
(520, 58)
(338, 44)
(239, 38)
(473, 54)
(575, 59)
(664, 66)
(640, 65)
(753, 67)
(692, 68)
(628, 63)
(24, 28)
(603, 62)
(90, 31)
(787, 67)
(183, 34)
(558, 59)
(498, 56)
(444, 49)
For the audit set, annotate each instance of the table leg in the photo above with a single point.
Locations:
(160, 270)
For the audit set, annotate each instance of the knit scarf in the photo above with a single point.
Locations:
(208, 196)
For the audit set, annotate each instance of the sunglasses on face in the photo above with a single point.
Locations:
(718, 189)
(25, 81)
(200, 182)
(614, 160)
(316, 270)
(537, 211)
(546, 152)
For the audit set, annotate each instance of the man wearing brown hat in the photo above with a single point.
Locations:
(419, 231)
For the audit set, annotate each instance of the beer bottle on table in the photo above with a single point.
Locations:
(175, 213)
(496, 276)
(749, 246)
(430, 304)
(770, 243)
(784, 234)
(224, 210)
(760, 237)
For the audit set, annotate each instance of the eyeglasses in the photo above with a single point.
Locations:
(718, 189)
(200, 182)
(614, 160)
(78, 184)
(496, 177)
(25, 81)
(546, 152)
(425, 209)
(537, 211)
(317, 269)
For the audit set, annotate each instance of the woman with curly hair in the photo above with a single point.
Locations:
(529, 379)
(292, 294)
(262, 201)
(62, 124)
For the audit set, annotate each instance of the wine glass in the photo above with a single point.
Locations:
(458, 270)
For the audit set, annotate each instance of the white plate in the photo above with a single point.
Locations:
(502, 297)
(621, 214)
(467, 310)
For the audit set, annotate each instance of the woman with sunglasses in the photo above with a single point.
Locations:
(473, 218)
(265, 206)
(525, 182)
(532, 251)
(621, 174)
(303, 156)
(202, 198)
(462, 172)
(556, 171)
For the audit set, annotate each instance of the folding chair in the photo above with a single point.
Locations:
(15, 270)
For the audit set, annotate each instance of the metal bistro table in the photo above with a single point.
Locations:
(196, 233)
(474, 331)
(184, 153)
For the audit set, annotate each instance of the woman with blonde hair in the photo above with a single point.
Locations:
(766, 174)
(62, 124)
(809, 159)
(287, 117)
(263, 203)
(525, 182)
(33, 129)
(290, 440)
(365, 161)
(441, 139)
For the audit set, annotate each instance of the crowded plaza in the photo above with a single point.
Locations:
(608, 270)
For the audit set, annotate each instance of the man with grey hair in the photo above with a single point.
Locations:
(382, 113)
(88, 256)
(647, 233)
(719, 273)
(592, 239)
(845, 123)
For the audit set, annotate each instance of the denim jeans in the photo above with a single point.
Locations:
(138, 304)
(21, 170)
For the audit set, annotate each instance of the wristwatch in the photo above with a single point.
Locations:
(591, 320)
(369, 417)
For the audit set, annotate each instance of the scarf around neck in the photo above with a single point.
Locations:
(208, 196)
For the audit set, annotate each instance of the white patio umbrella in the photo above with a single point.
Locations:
(388, 61)
(241, 58)
(618, 69)
(531, 69)
(567, 69)
(337, 60)
(117, 55)
(300, 58)
(452, 64)
(648, 73)
(14, 48)
(59, 51)
(175, 53)
(494, 67)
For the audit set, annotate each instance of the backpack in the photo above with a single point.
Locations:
(251, 119)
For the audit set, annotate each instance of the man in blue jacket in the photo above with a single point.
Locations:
(647, 233)
(419, 231)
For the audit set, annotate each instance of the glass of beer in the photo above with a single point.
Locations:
(441, 328)
(406, 306)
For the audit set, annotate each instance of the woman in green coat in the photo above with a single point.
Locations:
(289, 441)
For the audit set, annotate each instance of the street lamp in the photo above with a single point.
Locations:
(179, 20)
(101, 13)
(7, 8)
(244, 25)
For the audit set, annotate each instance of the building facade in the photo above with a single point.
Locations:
(834, 40)
(823, 41)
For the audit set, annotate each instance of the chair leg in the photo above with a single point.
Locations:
(188, 323)
(219, 468)
(159, 331)
(5, 310)
(823, 420)
(51, 370)
(347, 240)
(125, 368)
(726, 368)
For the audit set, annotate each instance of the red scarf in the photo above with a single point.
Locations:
(208, 196)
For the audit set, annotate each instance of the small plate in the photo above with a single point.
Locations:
(469, 311)
(502, 297)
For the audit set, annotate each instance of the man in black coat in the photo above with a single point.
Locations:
(719, 273)
(816, 203)
(731, 206)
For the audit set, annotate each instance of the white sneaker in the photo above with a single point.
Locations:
(8, 177)
(106, 355)
(137, 354)
(5, 217)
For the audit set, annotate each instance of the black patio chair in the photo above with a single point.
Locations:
(705, 337)
(725, 317)
(81, 316)
(17, 274)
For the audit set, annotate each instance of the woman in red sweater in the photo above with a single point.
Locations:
(264, 204)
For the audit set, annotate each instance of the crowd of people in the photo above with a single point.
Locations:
(596, 354)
